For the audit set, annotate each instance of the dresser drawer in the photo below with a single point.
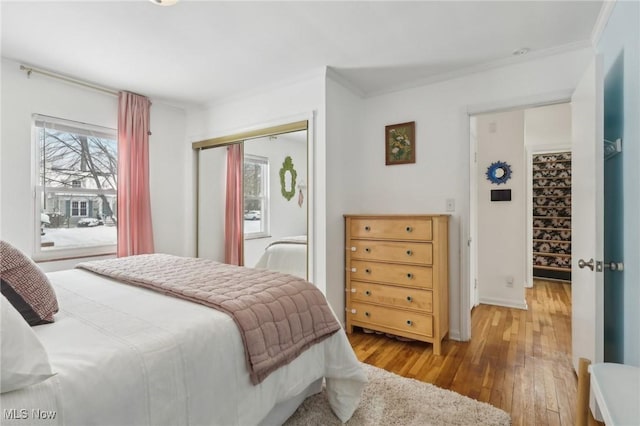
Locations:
(389, 251)
(392, 229)
(402, 297)
(406, 275)
(409, 322)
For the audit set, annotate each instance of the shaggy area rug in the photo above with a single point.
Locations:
(389, 399)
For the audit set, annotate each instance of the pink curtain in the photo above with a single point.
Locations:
(135, 233)
(234, 218)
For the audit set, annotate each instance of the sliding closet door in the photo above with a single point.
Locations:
(212, 172)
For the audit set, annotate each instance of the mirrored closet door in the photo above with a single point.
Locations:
(275, 198)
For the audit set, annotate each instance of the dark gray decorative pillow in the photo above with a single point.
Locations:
(26, 286)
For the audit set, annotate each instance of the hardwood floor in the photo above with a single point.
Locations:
(519, 361)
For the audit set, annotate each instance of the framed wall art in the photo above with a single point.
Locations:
(400, 143)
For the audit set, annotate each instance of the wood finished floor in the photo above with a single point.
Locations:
(517, 360)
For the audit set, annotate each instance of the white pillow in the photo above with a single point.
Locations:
(23, 360)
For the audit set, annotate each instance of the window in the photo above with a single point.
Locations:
(256, 196)
(76, 172)
(78, 208)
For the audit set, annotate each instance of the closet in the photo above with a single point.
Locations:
(552, 215)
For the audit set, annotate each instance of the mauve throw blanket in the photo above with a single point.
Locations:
(279, 315)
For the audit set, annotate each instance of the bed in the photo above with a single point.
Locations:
(126, 355)
(287, 255)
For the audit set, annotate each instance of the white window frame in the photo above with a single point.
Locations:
(72, 127)
(264, 199)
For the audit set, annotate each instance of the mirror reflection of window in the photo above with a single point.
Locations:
(256, 196)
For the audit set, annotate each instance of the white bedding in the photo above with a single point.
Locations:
(129, 356)
(286, 255)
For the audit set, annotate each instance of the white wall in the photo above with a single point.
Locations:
(548, 126)
(169, 178)
(344, 163)
(286, 218)
(502, 228)
(440, 111)
(22, 97)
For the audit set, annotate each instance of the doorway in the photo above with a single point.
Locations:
(503, 145)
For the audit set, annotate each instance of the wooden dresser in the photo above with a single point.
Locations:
(397, 275)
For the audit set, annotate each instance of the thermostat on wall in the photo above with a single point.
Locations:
(500, 195)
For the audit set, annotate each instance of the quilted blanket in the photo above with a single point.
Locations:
(279, 315)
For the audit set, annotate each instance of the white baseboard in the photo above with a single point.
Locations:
(504, 302)
(454, 335)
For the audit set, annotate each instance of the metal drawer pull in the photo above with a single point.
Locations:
(367, 293)
(368, 271)
(353, 270)
(367, 314)
(409, 299)
(409, 229)
(409, 323)
(367, 249)
(367, 228)
(409, 253)
(410, 275)
(353, 249)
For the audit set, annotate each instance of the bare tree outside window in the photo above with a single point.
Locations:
(78, 170)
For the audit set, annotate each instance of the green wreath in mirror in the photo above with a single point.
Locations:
(288, 179)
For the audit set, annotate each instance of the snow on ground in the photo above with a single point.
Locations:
(251, 226)
(100, 235)
(79, 237)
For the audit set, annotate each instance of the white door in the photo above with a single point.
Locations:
(587, 224)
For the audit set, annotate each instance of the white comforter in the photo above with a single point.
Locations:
(286, 255)
(129, 356)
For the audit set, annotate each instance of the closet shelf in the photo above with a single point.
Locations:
(552, 187)
(553, 232)
(562, 160)
(552, 268)
(551, 177)
(551, 254)
(550, 217)
(551, 241)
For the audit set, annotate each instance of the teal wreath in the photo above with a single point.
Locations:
(498, 172)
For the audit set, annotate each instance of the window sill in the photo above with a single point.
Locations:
(73, 254)
(256, 236)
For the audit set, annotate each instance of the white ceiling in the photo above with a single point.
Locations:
(198, 52)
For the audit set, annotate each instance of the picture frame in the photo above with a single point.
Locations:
(400, 143)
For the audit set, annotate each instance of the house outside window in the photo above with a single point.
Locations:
(76, 199)
(256, 196)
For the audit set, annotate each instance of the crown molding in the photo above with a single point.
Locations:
(475, 69)
(601, 22)
(335, 75)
